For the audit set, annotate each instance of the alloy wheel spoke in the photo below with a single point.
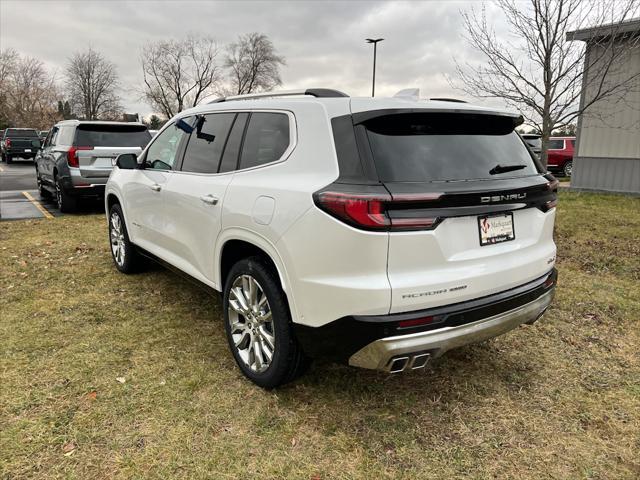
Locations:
(238, 293)
(267, 336)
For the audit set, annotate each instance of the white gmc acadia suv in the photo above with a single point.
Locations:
(377, 232)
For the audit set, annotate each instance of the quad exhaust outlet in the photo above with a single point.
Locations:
(411, 362)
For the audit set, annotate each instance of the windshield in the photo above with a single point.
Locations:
(112, 136)
(16, 132)
(425, 147)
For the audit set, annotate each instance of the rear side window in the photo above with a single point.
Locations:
(95, 135)
(207, 142)
(16, 132)
(65, 136)
(267, 138)
(346, 148)
(556, 144)
(426, 147)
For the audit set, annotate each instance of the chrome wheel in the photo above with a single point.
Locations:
(117, 239)
(568, 167)
(251, 323)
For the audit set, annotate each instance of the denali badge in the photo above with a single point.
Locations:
(501, 198)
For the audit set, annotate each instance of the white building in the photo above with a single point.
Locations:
(607, 155)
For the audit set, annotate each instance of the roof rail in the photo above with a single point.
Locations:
(445, 99)
(313, 92)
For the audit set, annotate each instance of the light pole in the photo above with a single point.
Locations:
(375, 48)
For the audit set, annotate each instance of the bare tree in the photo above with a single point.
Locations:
(92, 86)
(254, 64)
(541, 74)
(8, 61)
(29, 93)
(179, 73)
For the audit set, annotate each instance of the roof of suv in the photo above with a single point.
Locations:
(345, 105)
(97, 122)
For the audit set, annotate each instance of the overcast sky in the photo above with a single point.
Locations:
(323, 42)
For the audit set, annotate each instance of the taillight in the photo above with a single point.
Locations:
(371, 211)
(360, 210)
(72, 155)
(7, 142)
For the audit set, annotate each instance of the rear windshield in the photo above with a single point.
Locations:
(425, 147)
(112, 136)
(534, 142)
(556, 144)
(16, 132)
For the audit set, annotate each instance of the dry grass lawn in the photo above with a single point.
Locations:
(110, 376)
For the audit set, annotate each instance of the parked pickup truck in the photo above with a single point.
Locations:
(19, 142)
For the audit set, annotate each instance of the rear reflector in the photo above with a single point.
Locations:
(415, 322)
(370, 211)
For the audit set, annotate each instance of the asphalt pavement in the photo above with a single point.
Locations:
(19, 197)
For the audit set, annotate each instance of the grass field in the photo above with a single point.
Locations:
(110, 376)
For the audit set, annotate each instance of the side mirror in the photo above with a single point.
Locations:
(127, 161)
(35, 143)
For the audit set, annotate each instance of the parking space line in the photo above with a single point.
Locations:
(37, 205)
(1, 169)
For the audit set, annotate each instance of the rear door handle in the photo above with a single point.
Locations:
(209, 199)
(155, 187)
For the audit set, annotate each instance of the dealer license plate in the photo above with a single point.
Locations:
(496, 228)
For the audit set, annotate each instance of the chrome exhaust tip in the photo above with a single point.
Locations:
(398, 364)
(419, 361)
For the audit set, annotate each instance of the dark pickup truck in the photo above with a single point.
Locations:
(19, 142)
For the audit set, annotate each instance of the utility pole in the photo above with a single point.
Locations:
(375, 50)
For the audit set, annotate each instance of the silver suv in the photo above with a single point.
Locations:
(78, 156)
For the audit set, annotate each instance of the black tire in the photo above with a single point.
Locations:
(2, 157)
(130, 261)
(8, 159)
(66, 203)
(567, 169)
(288, 360)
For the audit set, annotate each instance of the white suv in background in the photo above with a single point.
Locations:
(377, 232)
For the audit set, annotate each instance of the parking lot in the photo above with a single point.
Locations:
(19, 197)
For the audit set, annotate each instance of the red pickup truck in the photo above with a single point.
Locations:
(560, 155)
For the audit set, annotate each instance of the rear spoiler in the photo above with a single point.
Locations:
(361, 117)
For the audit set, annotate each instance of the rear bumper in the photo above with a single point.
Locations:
(19, 152)
(394, 354)
(86, 189)
(373, 341)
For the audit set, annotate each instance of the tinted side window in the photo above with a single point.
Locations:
(53, 136)
(266, 140)
(556, 144)
(161, 154)
(206, 143)
(232, 150)
(346, 148)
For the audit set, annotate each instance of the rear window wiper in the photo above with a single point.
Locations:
(505, 168)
